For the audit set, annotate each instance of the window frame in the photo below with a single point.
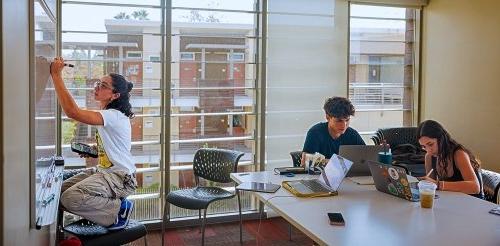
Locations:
(416, 75)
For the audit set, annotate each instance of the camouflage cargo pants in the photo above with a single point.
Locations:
(95, 194)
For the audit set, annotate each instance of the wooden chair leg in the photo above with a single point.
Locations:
(241, 219)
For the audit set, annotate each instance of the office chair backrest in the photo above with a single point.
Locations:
(216, 164)
(491, 185)
(398, 135)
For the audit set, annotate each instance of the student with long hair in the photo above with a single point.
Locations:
(454, 167)
(99, 193)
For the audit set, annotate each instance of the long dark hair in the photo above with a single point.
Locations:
(446, 144)
(122, 103)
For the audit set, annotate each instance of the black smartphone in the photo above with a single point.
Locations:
(336, 219)
(495, 211)
(85, 149)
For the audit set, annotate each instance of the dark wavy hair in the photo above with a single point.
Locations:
(446, 144)
(338, 107)
(122, 103)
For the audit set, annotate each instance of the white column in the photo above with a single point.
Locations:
(202, 123)
(120, 63)
(203, 63)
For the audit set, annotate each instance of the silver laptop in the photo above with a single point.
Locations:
(328, 182)
(360, 155)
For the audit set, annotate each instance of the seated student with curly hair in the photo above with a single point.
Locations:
(326, 137)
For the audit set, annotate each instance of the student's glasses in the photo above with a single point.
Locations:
(101, 85)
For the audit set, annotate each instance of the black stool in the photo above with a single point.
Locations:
(91, 234)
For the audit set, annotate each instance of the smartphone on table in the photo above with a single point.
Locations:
(336, 219)
(495, 211)
(84, 149)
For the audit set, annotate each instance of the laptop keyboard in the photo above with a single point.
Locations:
(313, 185)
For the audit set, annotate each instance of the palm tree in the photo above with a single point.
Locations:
(140, 14)
(122, 16)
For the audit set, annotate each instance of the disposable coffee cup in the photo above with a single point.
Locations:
(385, 157)
(427, 190)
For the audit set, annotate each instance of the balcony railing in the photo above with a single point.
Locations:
(378, 95)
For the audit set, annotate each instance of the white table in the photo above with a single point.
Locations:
(376, 218)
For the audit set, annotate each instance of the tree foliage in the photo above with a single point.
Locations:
(140, 14)
(122, 16)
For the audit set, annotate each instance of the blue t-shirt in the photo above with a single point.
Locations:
(318, 139)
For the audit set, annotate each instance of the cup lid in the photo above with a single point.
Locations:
(426, 184)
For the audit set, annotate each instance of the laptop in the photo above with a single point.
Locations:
(326, 184)
(394, 181)
(359, 155)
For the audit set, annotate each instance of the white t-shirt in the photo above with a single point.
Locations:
(116, 137)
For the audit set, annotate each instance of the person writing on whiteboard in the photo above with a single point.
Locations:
(454, 167)
(99, 193)
(326, 137)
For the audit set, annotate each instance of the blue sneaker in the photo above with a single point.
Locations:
(123, 215)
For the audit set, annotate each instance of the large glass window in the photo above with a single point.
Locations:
(212, 87)
(211, 82)
(382, 67)
(306, 63)
(120, 37)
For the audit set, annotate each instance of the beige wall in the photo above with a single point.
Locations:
(15, 131)
(461, 73)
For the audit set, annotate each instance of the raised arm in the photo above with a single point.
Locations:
(67, 102)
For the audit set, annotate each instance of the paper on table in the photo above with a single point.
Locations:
(362, 180)
(412, 179)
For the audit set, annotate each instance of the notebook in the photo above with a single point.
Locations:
(362, 180)
(258, 187)
(394, 181)
(360, 155)
(326, 184)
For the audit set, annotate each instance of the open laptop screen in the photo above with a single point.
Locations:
(335, 171)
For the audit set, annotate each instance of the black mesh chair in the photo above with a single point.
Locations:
(398, 135)
(491, 185)
(91, 234)
(296, 158)
(406, 149)
(214, 165)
